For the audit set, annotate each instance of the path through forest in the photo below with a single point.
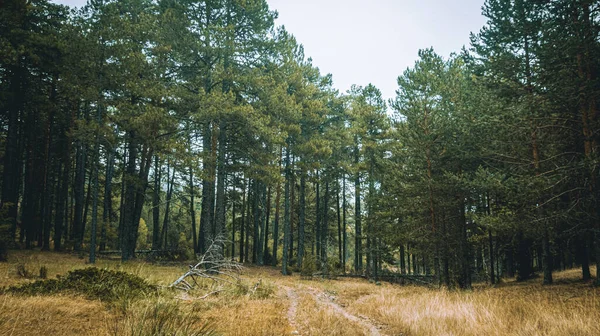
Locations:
(324, 301)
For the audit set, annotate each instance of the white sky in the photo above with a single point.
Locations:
(373, 41)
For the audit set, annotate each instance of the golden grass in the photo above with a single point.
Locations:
(317, 319)
(57, 315)
(569, 307)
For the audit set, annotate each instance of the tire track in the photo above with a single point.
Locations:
(329, 300)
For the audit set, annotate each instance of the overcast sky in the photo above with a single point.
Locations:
(373, 41)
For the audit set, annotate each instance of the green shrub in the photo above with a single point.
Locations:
(309, 265)
(92, 282)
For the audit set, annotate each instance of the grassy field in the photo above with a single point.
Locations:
(291, 305)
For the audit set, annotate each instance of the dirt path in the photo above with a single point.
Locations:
(329, 300)
(292, 310)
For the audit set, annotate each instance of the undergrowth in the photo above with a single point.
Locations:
(159, 317)
(93, 283)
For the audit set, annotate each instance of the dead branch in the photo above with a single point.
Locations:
(211, 265)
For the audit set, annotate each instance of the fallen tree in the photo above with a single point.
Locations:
(211, 265)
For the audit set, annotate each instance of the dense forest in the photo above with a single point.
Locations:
(163, 124)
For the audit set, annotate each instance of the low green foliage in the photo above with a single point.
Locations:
(92, 282)
(309, 266)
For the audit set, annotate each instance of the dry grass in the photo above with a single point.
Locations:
(568, 308)
(316, 319)
(57, 315)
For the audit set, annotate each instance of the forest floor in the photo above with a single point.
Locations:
(271, 304)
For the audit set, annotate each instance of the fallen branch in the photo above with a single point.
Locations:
(211, 265)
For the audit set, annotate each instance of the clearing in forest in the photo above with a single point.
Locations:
(271, 304)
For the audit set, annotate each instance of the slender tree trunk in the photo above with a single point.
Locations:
(156, 233)
(584, 258)
(248, 204)
(95, 190)
(256, 221)
(233, 208)
(287, 215)
(79, 190)
(292, 211)
(492, 261)
(276, 224)
(325, 227)
(318, 218)
(123, 190)
(128, 239)
(193, 210)
(221, 183)
(261, 219)
(402, 260)
(205, 218)
(62, 191)
(302, 216)
(339, 224)
(267, 219)
(345, 227)
(107, 213)
(357, 214)
(243, 224)
(166, 221)
(408, 269)
(88, 200)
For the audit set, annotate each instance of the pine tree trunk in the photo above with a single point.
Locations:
(345, 232)
(357, 218)
(276, 224)
(128, 239)
(63, 194)
(584, 258)
(318, 218)
(166, 220)
(107, 213)
(193, 210)
(402, 260)
(247, 242)
(233, 213)
(287, 215)
(243, 224)
(221, 183)
(325, 226)
(256, 222)
(267, 219)
(156, 233)
(205, 217)
(302, 216)
(79, 191)
(339, 224)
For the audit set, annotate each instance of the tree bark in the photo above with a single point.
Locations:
(286, 214)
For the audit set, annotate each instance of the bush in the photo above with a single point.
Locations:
(92, 282)
(309, 266)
